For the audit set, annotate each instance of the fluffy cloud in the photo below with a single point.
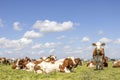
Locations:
(25, 41)
(51, 44)
(16, 26)
(61, 37)
(52, 51)
(32, 34)
(106, 40)
(85, 39)
(37, 46)
(68, 49)
(1, 23)
(117, 41)
(52, 26)
(46, 45)
(41, 52)
(14, 44)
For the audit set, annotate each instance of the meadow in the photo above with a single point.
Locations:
(80, 73)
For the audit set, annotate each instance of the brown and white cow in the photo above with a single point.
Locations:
(48, 65)
(91, 64)
(68, 64)
(116, 64)
(63, 65)
(4, 60)
(21, 63)
(78, 61)
(98, 55)
(105, 61)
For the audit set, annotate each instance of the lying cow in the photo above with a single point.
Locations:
(92, 64)
(116, 64)
(21, 63)
(62, 65)
(105, 61)
(4, 60)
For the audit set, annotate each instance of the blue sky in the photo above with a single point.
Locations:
(36, 28)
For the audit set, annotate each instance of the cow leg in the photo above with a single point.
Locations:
(97, 62)
(101, 65)
(101, 62)
(97, 66)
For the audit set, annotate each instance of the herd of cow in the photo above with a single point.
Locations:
(44, 64)
(51, 63)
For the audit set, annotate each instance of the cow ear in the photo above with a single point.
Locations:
(103, 44)
(93, 44)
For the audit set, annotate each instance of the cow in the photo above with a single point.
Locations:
(91, 64)
(21, 63)
(62, 65)
(48, 65)
(105, 61)
(98, 55)
(68, 63)
(78, 61)
(15, 64)
(4, 60)
(116, 64)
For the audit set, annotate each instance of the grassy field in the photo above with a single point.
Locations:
(80, 73)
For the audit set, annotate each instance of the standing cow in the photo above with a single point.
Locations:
(98, 55)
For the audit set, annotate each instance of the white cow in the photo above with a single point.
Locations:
(47, 67)
(30, 66)
(61, 65)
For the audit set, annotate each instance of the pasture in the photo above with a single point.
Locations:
(80, 73)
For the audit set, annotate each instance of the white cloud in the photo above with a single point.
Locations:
(52, 26)
(16, 26)
(14, 44)
(52, 51)
(1, 23)
(51, 44)
(67, 49)
(117, 41)
(46, 45)
(32, 34)
(25, 41)
(37, 46)
(8, 52)
(41, 52)
(61, 37)
(85, 39)
(100, 32)
(106, 40)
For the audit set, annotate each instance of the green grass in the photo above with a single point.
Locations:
(80, 73)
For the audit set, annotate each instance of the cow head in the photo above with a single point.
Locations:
(98, 45)
(67, 65)
(98, 49)
(78, 61)
(51, 58)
